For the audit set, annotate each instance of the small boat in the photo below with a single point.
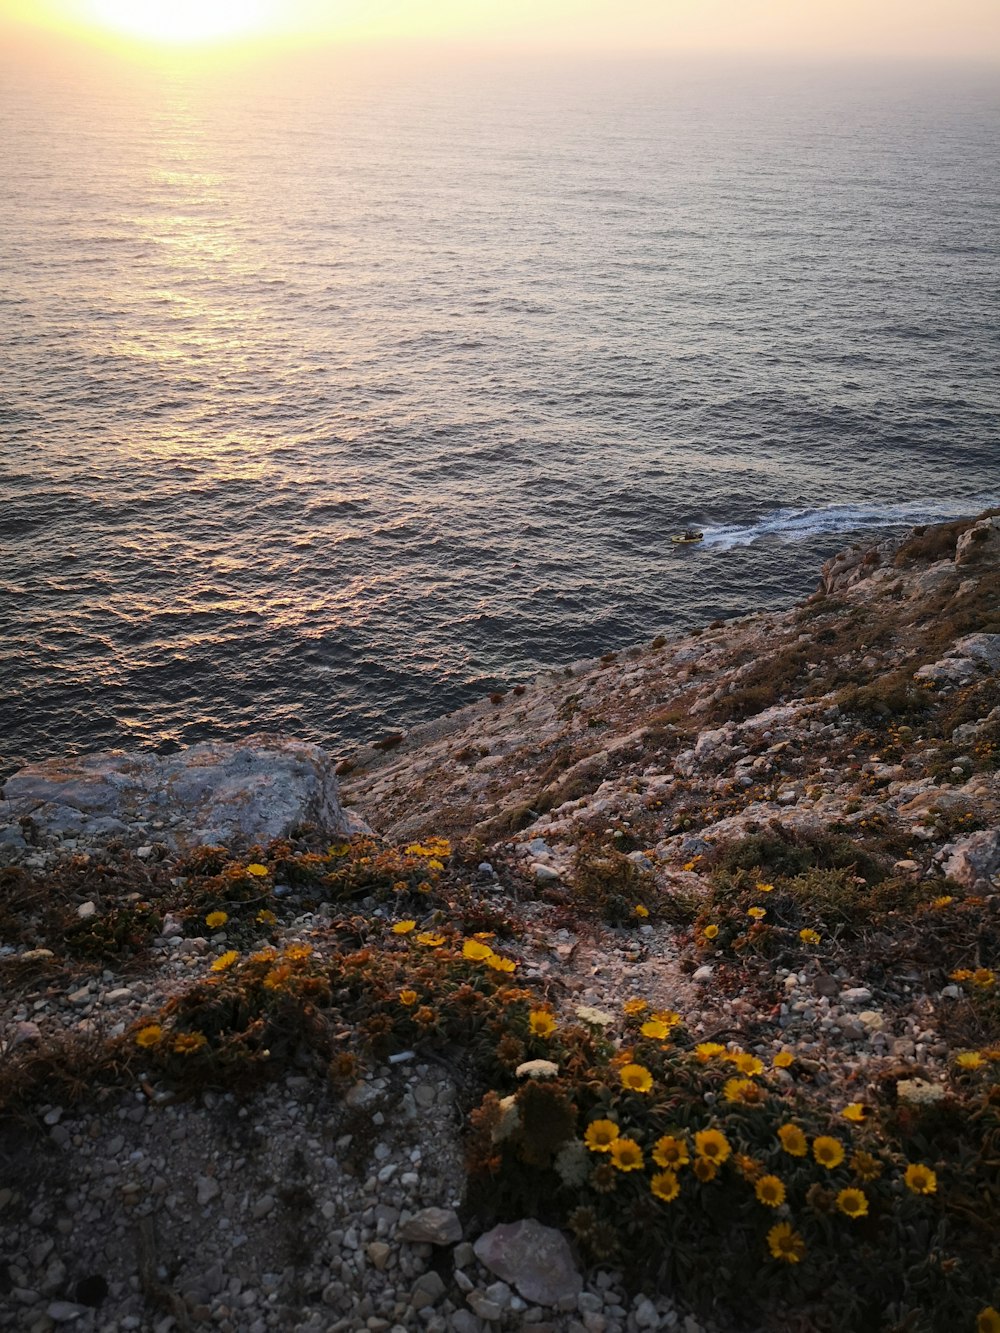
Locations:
(688, 538)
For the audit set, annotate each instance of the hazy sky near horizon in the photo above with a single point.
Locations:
(908, 29)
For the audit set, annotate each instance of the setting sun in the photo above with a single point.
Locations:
(183, 21)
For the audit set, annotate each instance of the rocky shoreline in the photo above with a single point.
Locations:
(608, 824)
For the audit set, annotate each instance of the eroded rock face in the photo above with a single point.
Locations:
(213, 793)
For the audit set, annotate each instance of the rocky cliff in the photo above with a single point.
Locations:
(684, 960)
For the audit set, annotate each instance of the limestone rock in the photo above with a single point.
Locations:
(533, 1258)
(432, 1226)
(233, 794)
(972, 858)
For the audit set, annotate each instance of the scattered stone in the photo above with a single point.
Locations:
(432, 1226)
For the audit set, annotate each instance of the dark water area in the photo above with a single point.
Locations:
(333, 398)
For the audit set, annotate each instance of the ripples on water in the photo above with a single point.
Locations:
(331, 401)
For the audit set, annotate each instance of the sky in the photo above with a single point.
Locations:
(875, 29)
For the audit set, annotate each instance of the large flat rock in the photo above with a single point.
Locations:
(213, 793)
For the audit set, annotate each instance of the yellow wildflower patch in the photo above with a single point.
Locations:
(920, 1179)
(671, 1152)
(633, 1007)
(664, 1186)
(785, 1243)
(654, 1027)
(216, 919)
(186, 1043)
(793, 1140)
(709, 1050)
(224, 961)
(828, 1151)
(758, 913)
(541, 1022)
(770, 1191)
(601, 1135)
(626, 1155)
(712, 1144)
(430, 939)
(148, 1036)
(476, 950)
(637, 1078)
(853, 1203)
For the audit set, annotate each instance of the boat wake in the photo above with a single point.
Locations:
(792, 525)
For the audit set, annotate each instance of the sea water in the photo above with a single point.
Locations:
(336, 393)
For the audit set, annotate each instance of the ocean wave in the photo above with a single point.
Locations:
(791, 525)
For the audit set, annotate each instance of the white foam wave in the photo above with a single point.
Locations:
(791, 525)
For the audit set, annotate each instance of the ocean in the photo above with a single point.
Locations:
(337, 393)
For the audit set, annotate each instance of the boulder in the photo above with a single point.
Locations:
(213, 793)
(972, 858)
(533, 1258)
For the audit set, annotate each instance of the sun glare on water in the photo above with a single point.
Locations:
(183, 22)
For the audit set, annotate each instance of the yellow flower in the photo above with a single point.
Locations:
(944, 901)
(408, 997)
(785, 1243)
(257, 870)
(500, 964)
(855, 1112)
(961, 974)
(988, 1321)
(216, 919)
(295, 953)
(277, 977)
(664, 1185)
(747, 1064)
(600, 1135)
(853, 1203)
(743, 1090)
(984, 978)
(626, 1155)
(186, 1043)
(793, 1140)
(690, 865)
(668, 1016)
(641, 910)
(710, 931)
(403, 927)
(758, 913)
(865, 1166)
(763, 888)
(476, 950)
(770, 1190)
(829, 1152)
(636, 1077)
(430, 939)
(704, 1169)
(541, 1023)
(653, 1027)
(150, 1035)
(670, 1152)
(435, 864)
(920, 1179)
(708, 1050)
(969, 1060)
(809, 936)
(633, 1007)
(783, 1060)
(225, 961)
(712, 1145)
(265, 917)
(266, 955)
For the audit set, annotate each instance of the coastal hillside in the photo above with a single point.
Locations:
(657, 992)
